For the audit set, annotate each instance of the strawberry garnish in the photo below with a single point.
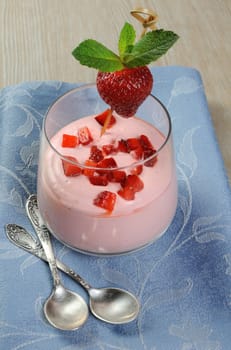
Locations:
(134, 182)
(105, 200)
(101, 119)
(137, 170)
(85, 136)
(124, 81)
(145, 142)
(98, 180)
(131, 185)
(87, 171)
(127, 193)
(133, 143)
(135, 148)
(70, 141)
(96, 154)
(117, 176)
(122, 146)
(101, 169)
(149, 153)
(69, 168)
(125, 90)
(106, 164)
(108, 149)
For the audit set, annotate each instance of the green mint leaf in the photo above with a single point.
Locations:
(126, 39)
(150, 47)
(93, 54)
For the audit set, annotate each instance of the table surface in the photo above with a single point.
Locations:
(37, 37)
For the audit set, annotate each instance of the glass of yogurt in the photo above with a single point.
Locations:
(107, 193)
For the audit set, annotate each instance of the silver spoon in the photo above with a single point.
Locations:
(126, 308)
(112, 305)
(63, 309)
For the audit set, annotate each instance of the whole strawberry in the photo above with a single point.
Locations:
(125, 90)
(124, 81)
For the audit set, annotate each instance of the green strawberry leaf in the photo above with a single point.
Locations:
(149, 48)
(93, 54)
(126, 39)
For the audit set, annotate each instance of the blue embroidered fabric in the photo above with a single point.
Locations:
(183, 280)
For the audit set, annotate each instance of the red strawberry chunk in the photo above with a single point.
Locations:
(101, 118)
(85, 136)
(106, 163)
(148, 153)
(69, 168)
(117, 176)
(133, 143)
(69, 141)
(137, 153)
(88, 171)
(126, 193)
(96, 154)
(134, 148)
(145, 142)
(98, 180)
(131, 185)
(108, 149)
(122, 146)
(105, 200)
(134, 183)
(137, 170)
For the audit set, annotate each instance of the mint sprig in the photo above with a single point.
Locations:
(149, 48)
(126, 40)
(93, 54)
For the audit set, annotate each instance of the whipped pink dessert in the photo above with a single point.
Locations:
(106, 200)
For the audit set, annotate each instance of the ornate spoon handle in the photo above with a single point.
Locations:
(23, 239)
(43, 235)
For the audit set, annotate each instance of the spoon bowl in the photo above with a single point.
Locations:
(113, 304)
(63, 309)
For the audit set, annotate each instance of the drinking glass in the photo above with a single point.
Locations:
(66, 203)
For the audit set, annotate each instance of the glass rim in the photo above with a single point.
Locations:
(83, 166)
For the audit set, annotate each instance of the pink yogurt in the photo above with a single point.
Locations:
(66, 203)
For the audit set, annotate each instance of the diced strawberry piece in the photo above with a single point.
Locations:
(69, 168)
(85, 136)
(134, 183)
(96, 154)
(70, 141)
(137, 170)
(106, 163)
(98, 180)
(126, 193)
(122, 146)
(137, 153)
(133, 143)
(131, 185)
(105, 200)
(87, 171)
(108, 149)
(117, 176)
(148, 153)
(134, 148)
(101, 118)
(145, 142)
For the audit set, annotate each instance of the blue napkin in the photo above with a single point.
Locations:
(183, 281)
